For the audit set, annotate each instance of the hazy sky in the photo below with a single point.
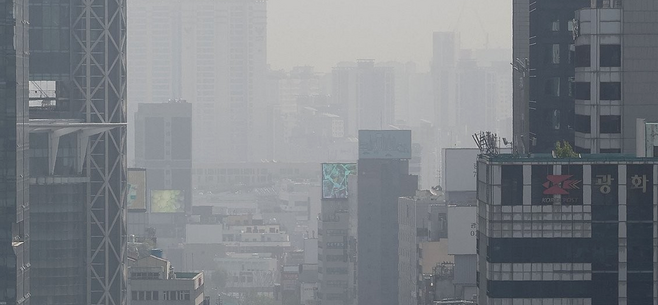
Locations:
(321, 33)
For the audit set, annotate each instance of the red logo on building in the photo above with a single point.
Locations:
(559, 184)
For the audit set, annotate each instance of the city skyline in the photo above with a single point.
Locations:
(335, 31)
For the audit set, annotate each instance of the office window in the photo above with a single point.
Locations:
(582, 91)
(583, 56)
(554, 118)
(583, 123)
(552, 86)
(552, 53)
(610, 91)
(555, 25)
(572, 53)
(571, 86)
(610, 123)
(512, 185)
(611, 55)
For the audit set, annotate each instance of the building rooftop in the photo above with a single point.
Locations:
(186, 275)
(584, 158)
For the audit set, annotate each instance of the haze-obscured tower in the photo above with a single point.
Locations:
(365, 95)
(14, 197)
(80, 47)
(155, 55)
(224, 65)
(163, 146)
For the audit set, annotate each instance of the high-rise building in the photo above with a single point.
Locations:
(155, 56)
(213, 54)
(163, 146)
(383, 177)
(414, 228)
(79, 133)
(365, 94)
(616, 62)
(542, 43)
(224, 68)
(567, 231)
(444, 80)
(333, 235)
(14, 163)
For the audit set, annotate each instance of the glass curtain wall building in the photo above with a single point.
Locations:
(78, 133)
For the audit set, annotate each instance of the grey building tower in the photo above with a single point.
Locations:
(334, 261)
(79, 47)
(365, 94)
(163, 146)
(383, 177)
(14, 196)
(616, 69)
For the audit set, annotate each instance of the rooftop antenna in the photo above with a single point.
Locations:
(487, 143)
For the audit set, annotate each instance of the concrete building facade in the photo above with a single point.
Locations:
(567, 231)
(153, 281)
(613, 75)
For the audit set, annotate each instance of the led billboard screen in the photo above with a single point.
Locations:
(136, 189)
(334, 179)
(167, 201)
(384, 144)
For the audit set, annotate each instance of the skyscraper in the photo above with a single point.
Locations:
(79, 47)
(14, 197)
(224, 67)
(444, 77)
(616, 61)
(383, 177)
(155, 56)
(365, 94)
(211, 53)
(544, 69)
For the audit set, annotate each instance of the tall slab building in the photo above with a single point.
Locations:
(383, 177)
(543, 47)
(616, 56)
(79, 47)
(14, 197)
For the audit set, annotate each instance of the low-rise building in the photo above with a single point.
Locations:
(249, 273)
(152, 281)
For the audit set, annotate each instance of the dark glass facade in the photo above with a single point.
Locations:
(14, 163)
(50, 36)
(81, 198)
(59, 239)
(380, 183)
(551, 72)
